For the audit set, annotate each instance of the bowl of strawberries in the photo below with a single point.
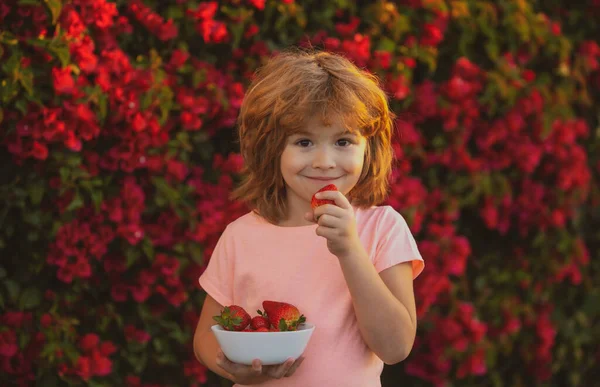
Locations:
(274, 335)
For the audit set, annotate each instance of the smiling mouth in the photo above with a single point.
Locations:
(323, 178)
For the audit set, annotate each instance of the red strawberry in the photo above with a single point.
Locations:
(233, 318)
(283, 316)
(261, 329)
(260, 321)
(314, 202)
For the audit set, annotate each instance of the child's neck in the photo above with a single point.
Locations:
(295, 218)
(294, 223)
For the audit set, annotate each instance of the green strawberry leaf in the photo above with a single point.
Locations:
(282, 325)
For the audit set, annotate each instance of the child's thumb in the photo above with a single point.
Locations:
(309, 216)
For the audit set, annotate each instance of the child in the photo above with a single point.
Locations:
(307, 121)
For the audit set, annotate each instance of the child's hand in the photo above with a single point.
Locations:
(337, 224)
(257, 373)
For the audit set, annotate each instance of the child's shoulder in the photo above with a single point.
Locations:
(378, 214)
(242, 223)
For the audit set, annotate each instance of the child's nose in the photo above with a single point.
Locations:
(323, 159)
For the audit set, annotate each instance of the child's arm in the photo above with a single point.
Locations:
(205, 343)
(384, 305)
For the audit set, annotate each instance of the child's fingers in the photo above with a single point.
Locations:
(330, 221)
(339, 198)
(278, 372)
(238, 369)
(330, 209)
(295, 366)
(310, 216)
(326, 232)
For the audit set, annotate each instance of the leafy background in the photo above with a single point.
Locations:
(118, 151)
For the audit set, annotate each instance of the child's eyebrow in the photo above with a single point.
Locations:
(340, 133)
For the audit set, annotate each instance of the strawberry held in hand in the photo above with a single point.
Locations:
(233, 318)
(283, 316)
(314, 202)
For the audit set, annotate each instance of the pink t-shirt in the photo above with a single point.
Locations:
(255, 260)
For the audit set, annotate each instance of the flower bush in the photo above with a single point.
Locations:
(118, 153)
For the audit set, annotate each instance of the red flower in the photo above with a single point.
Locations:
(347, 30)
(258, 4)
(63, 81)
(466, 69)
(206, 10)
(46, 320)
(118, 292)
(39, 151)
(457, 89)
(100, 365)
(398, 87)
(107, 348)
(178, 58)
(71, 22)
(432, 35)
(383, 59)
(89, 342)
(528, 76)
(131, 333)
(83, 54)
(252, 30)
(8, 343)
(83, 368)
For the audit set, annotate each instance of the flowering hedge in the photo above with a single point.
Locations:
(118, 152)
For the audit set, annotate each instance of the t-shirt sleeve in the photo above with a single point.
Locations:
(396, 244)
(217, 279)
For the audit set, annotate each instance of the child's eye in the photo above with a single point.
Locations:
(344, 142)
(303, 143)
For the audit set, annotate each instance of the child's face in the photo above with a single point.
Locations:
(320, 156)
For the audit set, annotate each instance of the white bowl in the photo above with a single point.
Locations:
(270, 347)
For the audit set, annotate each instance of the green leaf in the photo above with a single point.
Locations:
(174, 12)
(76, 203)
(131, 256)
(13, 288)
(102, 106)
(9, 90)
(591, 306)
(148, 248)
(171, 194)
(97, 197)
(61, 51)
(55, 7)
(30, 298)
(48, 379)
(36, 193)
(196, 253)
(8, 38)
(138, 361)
(386, 44)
